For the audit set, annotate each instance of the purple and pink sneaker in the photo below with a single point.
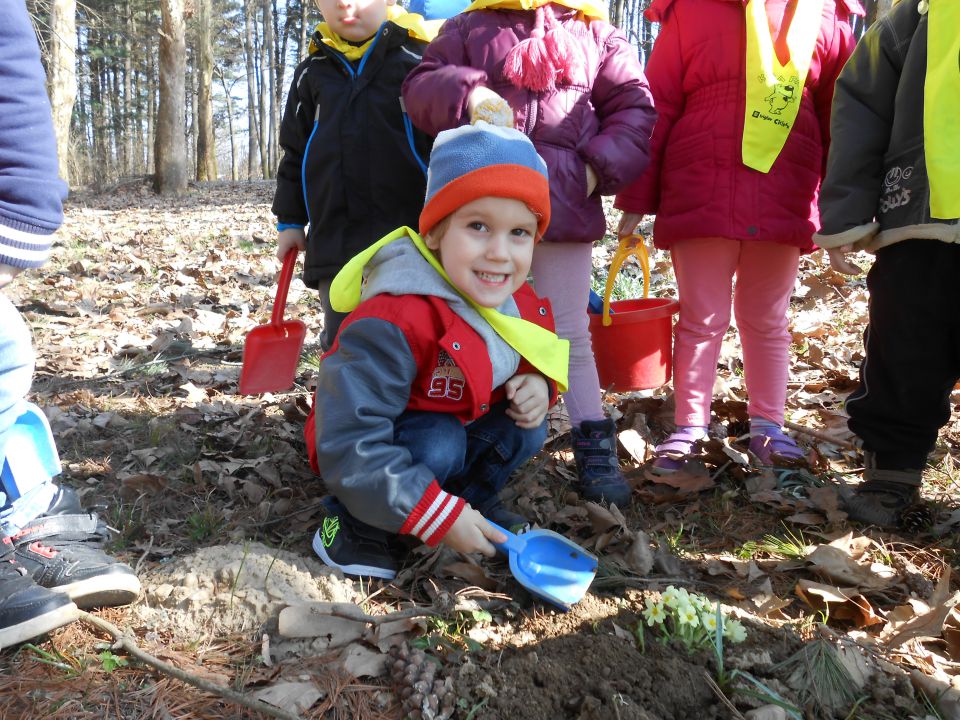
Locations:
(770, 446)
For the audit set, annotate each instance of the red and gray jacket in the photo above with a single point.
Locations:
(604, 118)
(696, 183)
(396, 353)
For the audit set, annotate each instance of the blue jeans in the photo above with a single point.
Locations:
(24, 497)
(473, 461)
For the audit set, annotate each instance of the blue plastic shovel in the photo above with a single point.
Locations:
(549, 565)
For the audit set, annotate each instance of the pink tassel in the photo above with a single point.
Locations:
(564, 51)
(528, 64)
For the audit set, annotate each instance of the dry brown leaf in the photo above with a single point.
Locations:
(839, 603)
(639, 557)
(604, 519)
(834, 564)
(142, 483)
(471, 572)
(806, 518)
(361, 661)
(314, 620)
(634, 443)
(293, 697)
(940, 691)
(684, 480)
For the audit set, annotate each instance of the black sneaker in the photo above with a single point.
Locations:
(65, 502)
(354, 547)
(26, 609)
(61, 553)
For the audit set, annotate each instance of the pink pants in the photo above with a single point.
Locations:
(766, 273)
(561, 273)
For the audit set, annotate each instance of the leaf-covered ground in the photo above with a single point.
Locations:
(139, 322)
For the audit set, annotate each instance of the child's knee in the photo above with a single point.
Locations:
(436, 440)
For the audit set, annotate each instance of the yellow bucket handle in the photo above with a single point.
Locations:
(635, 245)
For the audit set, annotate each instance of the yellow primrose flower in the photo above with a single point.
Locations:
(687, 615)
(734, 631)
(709, 621)
(655, 614)
(671, 596)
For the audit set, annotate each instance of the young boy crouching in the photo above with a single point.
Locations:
(439, 381)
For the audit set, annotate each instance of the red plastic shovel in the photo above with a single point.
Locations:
(271, 352)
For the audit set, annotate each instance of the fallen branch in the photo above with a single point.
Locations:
(124, 641)
(820, 435)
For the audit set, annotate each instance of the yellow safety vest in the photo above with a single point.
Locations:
(941, 108)
(774, 90)
(543, 349)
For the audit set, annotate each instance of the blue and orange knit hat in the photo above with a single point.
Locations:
(483, 160)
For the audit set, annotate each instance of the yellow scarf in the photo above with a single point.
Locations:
(941, 108)
(541, 348)
(774, 90)
(414, 24)
(585, 6)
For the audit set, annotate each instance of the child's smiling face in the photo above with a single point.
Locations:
(486, 248)
(354, 20)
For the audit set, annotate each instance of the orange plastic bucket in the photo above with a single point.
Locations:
(633, 345)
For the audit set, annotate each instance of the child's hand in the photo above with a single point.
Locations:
(839, 262)
(628, 223)
(472, 533)
(529, 396)
(591, 179)
(484, 104)
(290, 238)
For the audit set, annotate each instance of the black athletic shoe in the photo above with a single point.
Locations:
(65, 502)
(62, 553)
(354, 547)
(26, 609)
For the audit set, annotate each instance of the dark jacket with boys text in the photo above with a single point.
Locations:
(348, 169)
(876, 173)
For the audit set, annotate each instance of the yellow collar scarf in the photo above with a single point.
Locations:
(589, 9)
(941, 108)
(414, 24)
(773, 90)
(540, 347)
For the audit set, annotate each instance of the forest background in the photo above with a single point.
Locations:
(194, 89)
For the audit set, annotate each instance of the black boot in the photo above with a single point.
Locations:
(595, 451)
(884, 494)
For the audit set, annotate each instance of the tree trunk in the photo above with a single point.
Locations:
(62, 71)
(233, 140)
(267, 98)
(170, 152)
(206, 142)
(253, 128)
(305, 32)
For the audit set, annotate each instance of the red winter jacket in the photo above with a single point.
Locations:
(696, 183)
(396, 353)
(604, 118)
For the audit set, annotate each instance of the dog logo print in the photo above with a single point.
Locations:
(783, 94)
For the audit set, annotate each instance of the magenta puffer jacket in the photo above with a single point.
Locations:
(696, 183)
(604, 118)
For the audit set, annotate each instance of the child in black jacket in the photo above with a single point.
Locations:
(892, 188)
(353, 166)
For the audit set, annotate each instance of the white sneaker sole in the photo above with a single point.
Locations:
(360, 570)
(35, 627)
(102, 591)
